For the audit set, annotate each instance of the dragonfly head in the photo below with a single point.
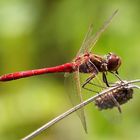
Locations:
(113, 62)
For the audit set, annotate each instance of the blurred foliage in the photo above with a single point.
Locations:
(40, 33)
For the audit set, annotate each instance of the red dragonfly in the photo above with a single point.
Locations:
(84, 62)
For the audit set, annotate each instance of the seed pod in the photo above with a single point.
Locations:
(114, 98)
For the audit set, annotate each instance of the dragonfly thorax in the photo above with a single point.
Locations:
(91, 63)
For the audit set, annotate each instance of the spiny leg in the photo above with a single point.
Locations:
(96, 85)
(117, 72)
(114, 73)
(94, 70)
(88, 89)
(105, 79)
(88, 80)
(117, 75)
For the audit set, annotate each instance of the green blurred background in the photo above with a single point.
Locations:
(40, 33)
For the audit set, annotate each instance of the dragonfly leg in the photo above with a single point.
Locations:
(88, 80)
(105, 79)
(116, 72)
(117, 75)
(96, 85)
(90, 90)
(95, 71)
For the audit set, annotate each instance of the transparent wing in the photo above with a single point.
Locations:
(88, 34)
(91, 40)
(72, 82)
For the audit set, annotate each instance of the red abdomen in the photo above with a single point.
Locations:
(68, 67)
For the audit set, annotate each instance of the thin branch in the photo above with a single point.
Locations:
(75, 108)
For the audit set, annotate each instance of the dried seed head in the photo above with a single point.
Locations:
(121, 95)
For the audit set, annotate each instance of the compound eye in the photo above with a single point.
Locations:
(114, 62)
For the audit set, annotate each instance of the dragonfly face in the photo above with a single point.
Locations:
(113, 62)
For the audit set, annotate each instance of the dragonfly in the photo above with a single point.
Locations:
(84, 62)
